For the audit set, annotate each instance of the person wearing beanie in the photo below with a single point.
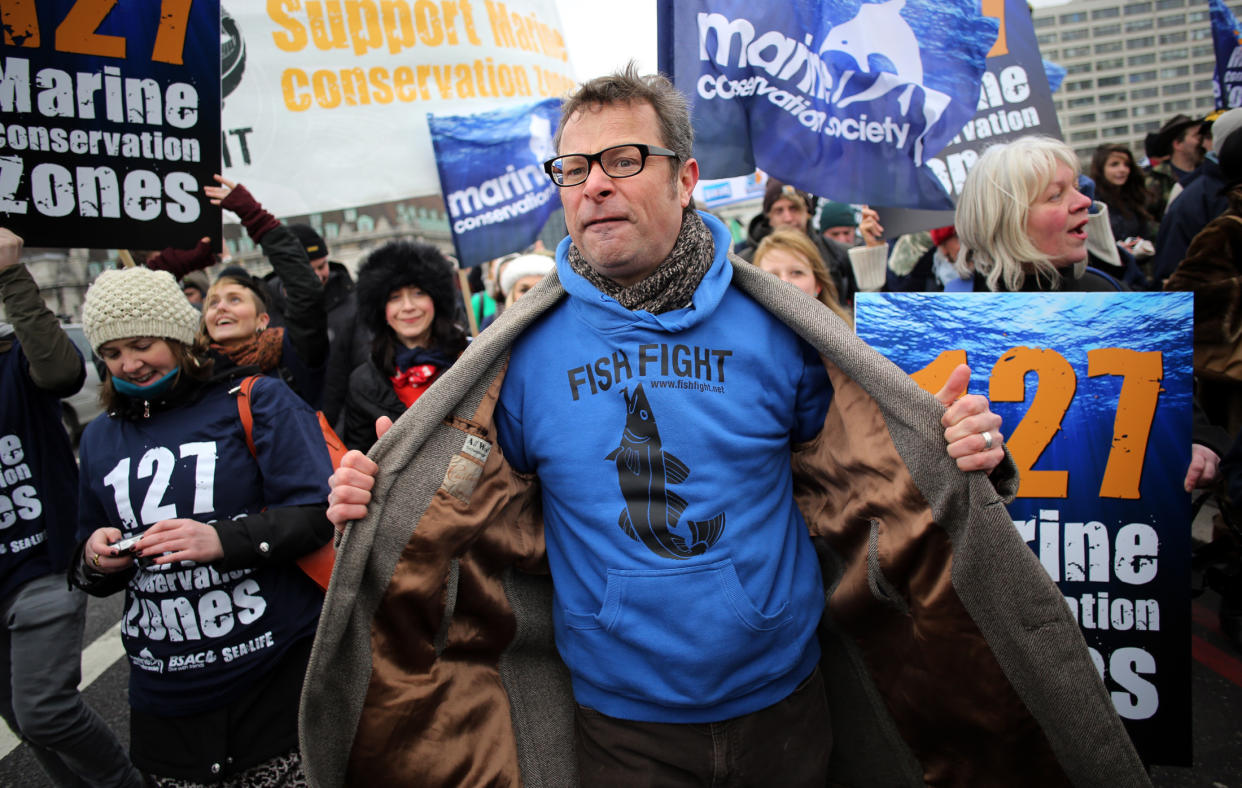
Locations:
(236, 314)
(43, 619)
(838, 222)
(786, 206)
(406, 301)
(347, 346)
(200, 527)
(195, 285)
(522, 273)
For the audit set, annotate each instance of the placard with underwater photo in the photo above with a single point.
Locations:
(111, 122)
(1095, 391)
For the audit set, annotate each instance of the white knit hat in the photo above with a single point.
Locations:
(526, 265)
(137, 302)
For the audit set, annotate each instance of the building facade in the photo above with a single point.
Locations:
(1131, 65)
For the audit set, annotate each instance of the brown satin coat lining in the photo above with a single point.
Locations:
(444, 720)
(947, 694)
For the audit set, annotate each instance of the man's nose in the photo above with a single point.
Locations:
(598, 183)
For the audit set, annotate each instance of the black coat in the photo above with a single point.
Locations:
(371, 395)
(1200, 202)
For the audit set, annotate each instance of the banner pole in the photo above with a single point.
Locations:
(464, 278)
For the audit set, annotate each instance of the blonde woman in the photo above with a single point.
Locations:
(793, 258)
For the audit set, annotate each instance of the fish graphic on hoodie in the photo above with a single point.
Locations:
(652, 512)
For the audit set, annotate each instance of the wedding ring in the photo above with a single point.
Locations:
(987, 440)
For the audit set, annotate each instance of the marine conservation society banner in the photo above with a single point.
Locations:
(855, 94)
(109, 122)
(1095, 393)
(326, 102)
(491, 171)
(1227, 79)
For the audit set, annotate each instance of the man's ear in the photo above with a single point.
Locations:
(687, 177)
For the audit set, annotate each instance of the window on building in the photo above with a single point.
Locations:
(1172, 72)
(1200, 33)
(1109, 46)
(1116, 114)
(1115, 131)
(1084, 136)
(1076, 52)
(1176, 89)
(1137, 8)
(1202, 50)
(1046, 38)
(1146, 126)
(1081, 118)
(1205, 101)
(1075, 35)
(1172, 20)
(1143, 93)
(1139, 76)
(1106, 13)
(1079, 84)
(1139, 25)
(1058, 105)
(1172, 38)
(1106, 30)
(1142, 60)
(1165, 5)
(1078, 68)
(1198, 16)
(1176, 106)
(1177, 53)
(1081, 101)
(1044, 21)
(1204, 68)
(1112, 98)
(1143, 42)
(1143, 110)
(1202, 84)
(1069, 19)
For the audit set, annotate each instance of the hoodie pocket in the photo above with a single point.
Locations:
(687, 637)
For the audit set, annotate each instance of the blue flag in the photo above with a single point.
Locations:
(1227, 81)
(841, 98)
(492, 178)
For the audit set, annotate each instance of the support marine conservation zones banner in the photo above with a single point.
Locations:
(108, 121)
(854, 94)
(1096, 395)
(491, 171)
(325, 101)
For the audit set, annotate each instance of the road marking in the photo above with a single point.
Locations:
(96, 658)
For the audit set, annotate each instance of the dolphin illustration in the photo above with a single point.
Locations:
(878, 29)
(645, 470)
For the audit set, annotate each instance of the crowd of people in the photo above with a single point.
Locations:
(662, 521)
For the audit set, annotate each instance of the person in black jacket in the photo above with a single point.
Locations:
(43, 619)
(405, 299)
(235, 314)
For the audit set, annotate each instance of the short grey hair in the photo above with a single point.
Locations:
(629, 87)
(996, 202)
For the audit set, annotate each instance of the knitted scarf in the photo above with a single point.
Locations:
(672, 284)
(263, 350)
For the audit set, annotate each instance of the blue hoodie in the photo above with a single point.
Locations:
(687, 587)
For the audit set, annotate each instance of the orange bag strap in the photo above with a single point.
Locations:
(243, 411)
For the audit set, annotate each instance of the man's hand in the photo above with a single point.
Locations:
(99, 554)
(352, 483)
(10, 248)
(1203, 467)
(870, 228)
(966, 421)
(181, 539)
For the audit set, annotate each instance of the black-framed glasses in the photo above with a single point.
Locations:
(619, 161)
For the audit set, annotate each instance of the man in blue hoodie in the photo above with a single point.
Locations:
(687, 588)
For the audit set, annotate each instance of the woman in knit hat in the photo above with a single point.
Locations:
(201, 531)
(236, 321)
(522, 273)
(406, 298)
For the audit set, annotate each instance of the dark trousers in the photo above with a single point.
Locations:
(786, 744)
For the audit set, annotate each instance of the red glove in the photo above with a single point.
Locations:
(180, 262)
(256, 220)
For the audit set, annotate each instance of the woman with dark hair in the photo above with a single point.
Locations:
(1119, 184)
(236, 321)
(405, 298)
(201, 527)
